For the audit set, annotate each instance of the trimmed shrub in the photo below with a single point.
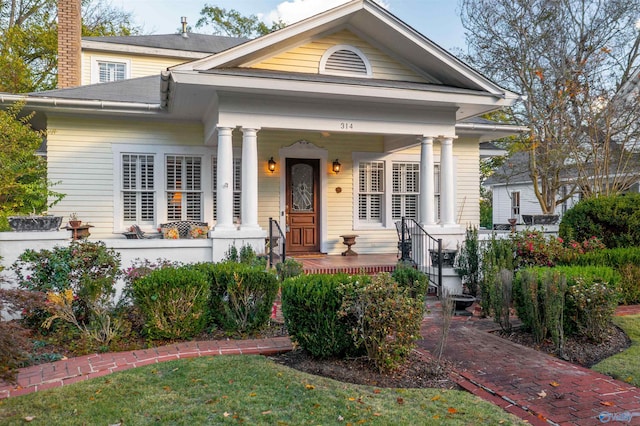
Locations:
(310, 304)
(173, 302)
(288, 269)
(241, 295)
(498, 255)
(468, 261)
(387, 319)
(590, 274)
(615, 219)
(411, 279)
(616, 257)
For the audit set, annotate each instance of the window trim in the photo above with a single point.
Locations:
(387, 221)
(330, 51)
(95, 67)
(159, 177)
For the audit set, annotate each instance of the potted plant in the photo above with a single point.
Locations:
(74, 222)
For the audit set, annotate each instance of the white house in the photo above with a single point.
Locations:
(353, 85)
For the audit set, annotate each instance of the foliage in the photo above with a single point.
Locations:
(539, 300)
(616, 257)
(468, 261)
(24, 188)
(12, 335)
(387, 319)
(246, 256)
(590, 274)
(241, 295)
(310, 304)
(616, 219)
(173, 302)
(233, 24)
(289, 268)
(414, 281)
(29, 39)
(533, 248)
(591, 306)
(629, 287)
(571, 65)
(244, 389)
(84, 272)
(498, 255)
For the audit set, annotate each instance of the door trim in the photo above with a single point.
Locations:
(305, 149)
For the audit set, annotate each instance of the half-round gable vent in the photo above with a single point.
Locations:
(345, 60)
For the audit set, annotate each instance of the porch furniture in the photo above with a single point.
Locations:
(349, 240)
(137, 234)
(183, 226)
(404, 241)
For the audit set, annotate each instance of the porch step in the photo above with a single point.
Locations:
(364, 263)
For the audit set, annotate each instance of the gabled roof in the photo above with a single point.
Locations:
(370, 22)
(204, 43)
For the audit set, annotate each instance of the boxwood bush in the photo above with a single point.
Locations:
(615, 219)
(310, 304)
(408, 277)
(173, 302)
(242, 295)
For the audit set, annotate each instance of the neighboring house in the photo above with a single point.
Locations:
(353, 85)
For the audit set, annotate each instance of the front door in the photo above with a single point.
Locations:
(302, 208)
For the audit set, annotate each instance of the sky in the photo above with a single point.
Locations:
(439, 20)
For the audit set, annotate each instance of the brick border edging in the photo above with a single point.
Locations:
(68, 371)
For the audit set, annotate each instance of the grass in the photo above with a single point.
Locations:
(241, 389)
(625, 366)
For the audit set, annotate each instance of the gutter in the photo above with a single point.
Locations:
(79, 103)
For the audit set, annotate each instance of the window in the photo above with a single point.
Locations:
(345, 60)
(406, 189)
(237, 188)
(387, 188)
(184, 187)
(371, 191)
(138, 195)
(515, 204)
(111, 71)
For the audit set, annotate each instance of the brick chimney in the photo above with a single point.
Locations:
(69, 38)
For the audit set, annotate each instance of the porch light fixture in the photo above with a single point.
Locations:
(336, 166)
(271, 164)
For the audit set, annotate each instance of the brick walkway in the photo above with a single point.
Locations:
(534, 386)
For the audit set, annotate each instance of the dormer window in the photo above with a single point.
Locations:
(345, 60)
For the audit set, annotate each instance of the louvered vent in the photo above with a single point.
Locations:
(345, 60)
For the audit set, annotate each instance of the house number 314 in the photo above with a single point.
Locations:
(345, 125)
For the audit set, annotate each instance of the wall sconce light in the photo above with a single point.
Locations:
(336, 166)
(271, 164)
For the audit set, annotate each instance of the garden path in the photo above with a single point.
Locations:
(532, 385)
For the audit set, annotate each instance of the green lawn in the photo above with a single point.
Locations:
(241, 389)
(625, 366)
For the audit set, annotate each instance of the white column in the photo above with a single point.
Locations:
(427, 191)
(447, 195)
(249, 179)
(225, 180)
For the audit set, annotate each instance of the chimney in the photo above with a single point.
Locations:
(69, 39)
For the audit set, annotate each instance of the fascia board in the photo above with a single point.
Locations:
(248, 84)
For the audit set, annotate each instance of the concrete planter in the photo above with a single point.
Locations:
(35, 223)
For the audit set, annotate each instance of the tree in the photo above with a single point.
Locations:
(29, 39)
(24, 188)
(233, 24)
(570, 58)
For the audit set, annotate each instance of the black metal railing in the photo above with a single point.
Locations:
(421, 249)
(276, 243)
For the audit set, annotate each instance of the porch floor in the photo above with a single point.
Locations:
(363, 263)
